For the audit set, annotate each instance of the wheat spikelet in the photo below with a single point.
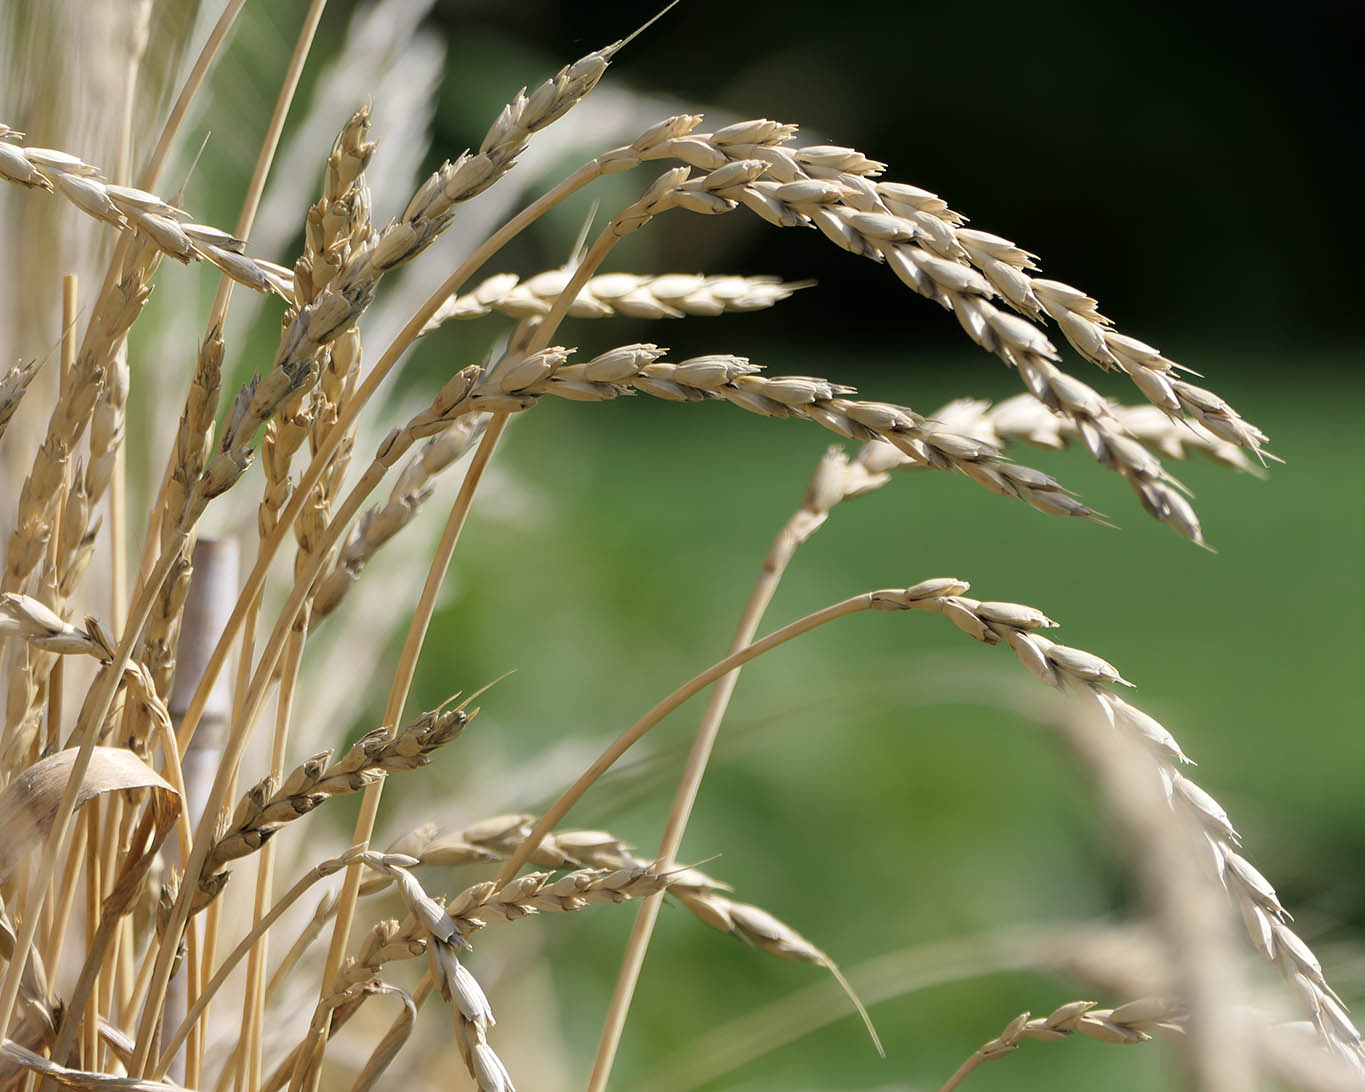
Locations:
(266, 807)
(668, 295)
(1024, 419)
(13, 387)
(1134, 1022)
(24, 617)
(161, 225)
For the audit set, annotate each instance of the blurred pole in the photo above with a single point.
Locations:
(208, 605)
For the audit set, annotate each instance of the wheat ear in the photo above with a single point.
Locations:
(736, 380)
(916, 233)
(1089, 677)
(1134, 1022)
(829, 187)
(667, 295)
(270, 805)
(126, 208)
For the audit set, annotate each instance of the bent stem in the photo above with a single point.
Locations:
(327, 868)
(691, 688)
(632, 962)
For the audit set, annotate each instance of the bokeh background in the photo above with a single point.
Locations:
(1196, 168)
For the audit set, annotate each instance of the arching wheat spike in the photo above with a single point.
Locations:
(915, 234)
(1025, 420)
(1134, 1022)
(161, 224)
(736, 380)
(669, 295)
(1091, 678)
(267, 807)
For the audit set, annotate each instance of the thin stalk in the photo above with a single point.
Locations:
(249, 1063)
(319, 872)
(212, 46)
(94, 894)
(963, 1071)
(115, 836)
(125, 979)
(211, 593)
(774, 566)
(176, 776)
(139, 19)
(198, 1040)
(62, 915)
(689, 689)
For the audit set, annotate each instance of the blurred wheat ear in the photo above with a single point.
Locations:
(138, 671)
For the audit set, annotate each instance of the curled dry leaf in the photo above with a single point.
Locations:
(28, 804)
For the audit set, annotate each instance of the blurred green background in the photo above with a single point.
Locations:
(1192, 167)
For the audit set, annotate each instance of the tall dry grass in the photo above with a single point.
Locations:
(160, 726)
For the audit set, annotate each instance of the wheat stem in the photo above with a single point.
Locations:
(633, 734)
(249, 1066)
(248, 942)
(632, 961)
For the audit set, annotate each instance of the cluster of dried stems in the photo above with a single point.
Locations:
(95, 780)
